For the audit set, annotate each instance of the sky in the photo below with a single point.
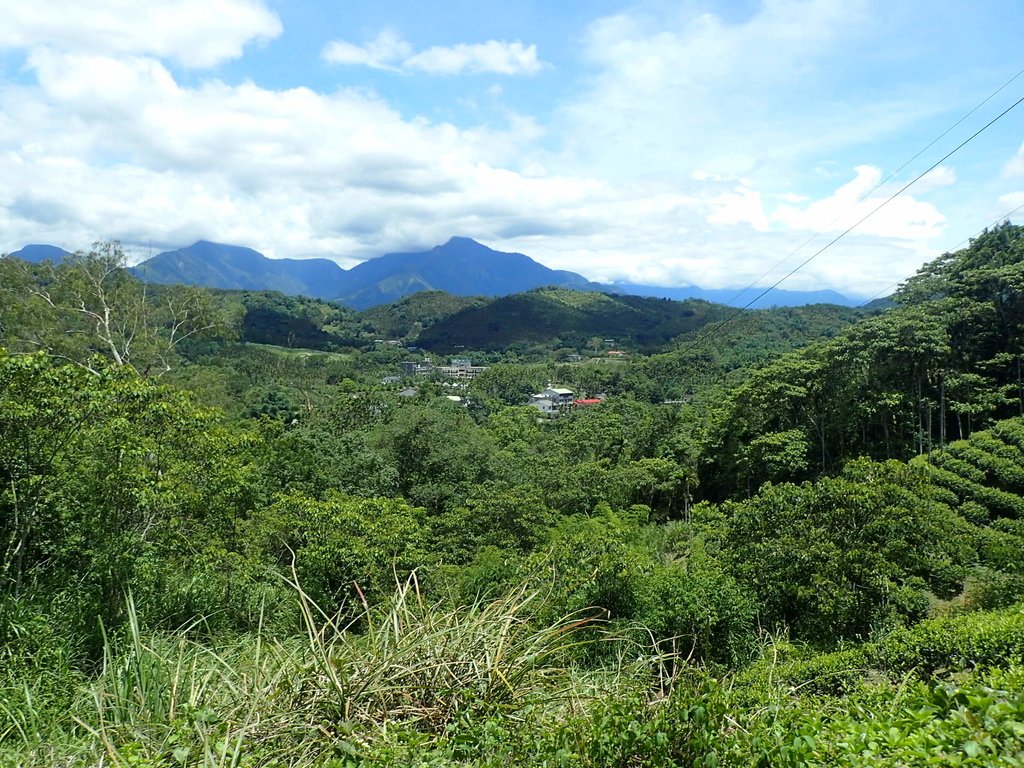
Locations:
(705, 143)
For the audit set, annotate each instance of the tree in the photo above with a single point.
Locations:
(835, 558)
(99, 471)
(91, 304)
(439, 452)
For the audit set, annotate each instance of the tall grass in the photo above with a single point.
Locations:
(409, 667)
(424, 664)
(38, 678)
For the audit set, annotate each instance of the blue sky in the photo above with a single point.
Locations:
(661, 142)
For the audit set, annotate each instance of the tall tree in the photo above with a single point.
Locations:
(91, 304)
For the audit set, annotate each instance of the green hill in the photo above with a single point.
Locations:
(545, 315)
(407, 317)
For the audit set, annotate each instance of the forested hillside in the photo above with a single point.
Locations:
(783, 538)
(572, 317)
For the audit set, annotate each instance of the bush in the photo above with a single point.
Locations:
(958, 642)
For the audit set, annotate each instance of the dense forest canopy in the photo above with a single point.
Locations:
(233, 533)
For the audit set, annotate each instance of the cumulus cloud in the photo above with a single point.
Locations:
(665, 184)
(677, 91)
(383, 52)
(741, 205)
(196, 33)
(1015, 167)
(115, 146)
(1014, 201)
(495, 56)
(941, 176)
(862, 203)
(389, 51)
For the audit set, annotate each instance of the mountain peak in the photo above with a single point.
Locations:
(38, 253)
(461, 246)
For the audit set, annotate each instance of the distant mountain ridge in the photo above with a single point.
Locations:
(461, 267)
(737, 297)
(215, 265)
(37, 253)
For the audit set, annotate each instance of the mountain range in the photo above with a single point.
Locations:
(462, 267)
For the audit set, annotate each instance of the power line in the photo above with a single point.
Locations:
(877, 186)
(1001, 219)
(956, 247)
(856, 224)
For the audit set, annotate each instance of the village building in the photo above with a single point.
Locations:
(545, 406)
(416, 368)
(552, 401)
(461, 372)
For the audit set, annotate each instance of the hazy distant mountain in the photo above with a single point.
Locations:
(461, 266)
(736, 297)
(38, 253)
(215, 265)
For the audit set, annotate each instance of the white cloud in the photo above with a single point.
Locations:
(677, 177)
(676, 91)
(1012, 202)
(116, 147)
(383, 52)
(861, 203)
(495, 56)
(1015, 167)
(743, 205)
(390, 51)
(196, 33)
(941, 176)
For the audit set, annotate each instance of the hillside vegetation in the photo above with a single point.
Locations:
(571, 317)
(216, 552)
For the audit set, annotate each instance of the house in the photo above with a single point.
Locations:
(409, 392)
(414, 368)
(391, 380)
(552, 401)
(586, 401)
(558, 395)
(545, 406)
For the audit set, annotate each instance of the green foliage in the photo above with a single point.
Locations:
(834, 559)
(957, 642)
(565, 318)
(344, 549)
(695, 607)
(100, 473)
(944, 364)
(508, 385)
(581, 605)
(438, 451)
(405, 318)
(296, 321)
(90, 304)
